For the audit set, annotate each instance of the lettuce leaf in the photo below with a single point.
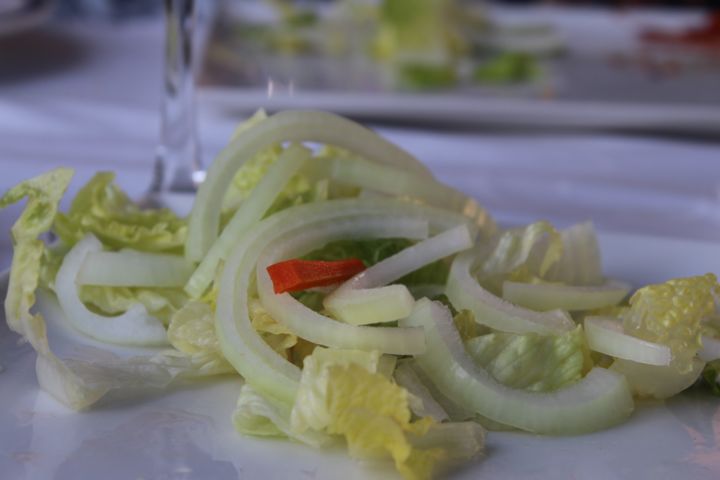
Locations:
(273, 332)
(103, 209)
(43, 193)
(162, 303)
(75, 369)
(261, 416)
(671, 314)
(192, 331)
(521, 255)
(342, 393)
(537, 363)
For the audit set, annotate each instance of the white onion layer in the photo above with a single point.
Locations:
(240, 343)
(355, 295)
(288, 126)
(599, 400)
(546, 296)
(464, 292)
(317, 328)
(250, 211)
(606, 335)
(131, 268)
(134, 327)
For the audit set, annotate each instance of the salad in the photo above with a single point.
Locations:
(363, 302)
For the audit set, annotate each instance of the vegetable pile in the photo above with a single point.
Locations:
(361, 300)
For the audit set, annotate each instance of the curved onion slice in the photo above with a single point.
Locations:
(354, 299)
(657, 381)
(371, 305)
(710, 349)
(606, 335)
(132, 268)
(599, 400)
(134, 327)
(397, 181)
(250, 211)
(464, 292)
(547, 296)
(317, 328)
(288, 126)
(240, 343)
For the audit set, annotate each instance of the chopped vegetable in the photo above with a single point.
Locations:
(307, 271)
(537, 363)
(295, 274)
(670, 314)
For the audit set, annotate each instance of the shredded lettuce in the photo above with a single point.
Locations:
(104, 210)
(537, 363)
(671, 314)
(43, 193)
(521, 255)
(341, 393)
(192, 330)
(162, 303)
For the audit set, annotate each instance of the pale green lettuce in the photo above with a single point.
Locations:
(522, 255)
(538, 363)
(103, 209)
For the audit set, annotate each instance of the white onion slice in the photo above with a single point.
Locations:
(546, 296)
(464, 292)
(606, 335)
(710, 349)
(371, 305)
(288, 126)
(318, 328)
(397, 181)
(259, 364)
(134, 327)
(132, 268)
(599, 400)
(657, 381)
(355, 295)
(250, 211)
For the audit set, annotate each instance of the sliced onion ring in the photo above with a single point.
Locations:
(259, 364)
(546, 296)
(134, 327)
(288, 126)
(606, 335)
(317, 328)
(464, 292)
(352, 299)
(599, 400)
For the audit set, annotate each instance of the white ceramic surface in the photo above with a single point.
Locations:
(186, 434)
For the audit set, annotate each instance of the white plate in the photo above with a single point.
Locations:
(452, 109)
(186, 433)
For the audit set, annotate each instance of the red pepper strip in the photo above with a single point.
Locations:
(295, 275)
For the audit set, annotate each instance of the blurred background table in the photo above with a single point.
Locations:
(86, 95)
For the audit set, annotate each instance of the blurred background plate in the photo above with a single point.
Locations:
(493, 65)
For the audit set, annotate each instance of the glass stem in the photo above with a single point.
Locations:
(178, 166)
